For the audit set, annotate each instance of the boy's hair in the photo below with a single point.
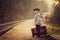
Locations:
(36, 9)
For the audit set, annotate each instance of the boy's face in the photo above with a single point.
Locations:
(36, 11)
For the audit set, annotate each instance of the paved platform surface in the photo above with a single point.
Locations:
(22, 31)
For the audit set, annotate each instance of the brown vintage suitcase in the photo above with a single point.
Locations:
(43, 30)
(33, 32)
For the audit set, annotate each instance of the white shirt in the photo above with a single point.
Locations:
(37, 19)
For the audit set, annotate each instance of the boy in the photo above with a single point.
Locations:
(37, 21)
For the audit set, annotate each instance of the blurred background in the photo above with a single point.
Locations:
(16, 10)
(13, 10)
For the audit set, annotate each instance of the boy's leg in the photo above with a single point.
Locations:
(38, 30)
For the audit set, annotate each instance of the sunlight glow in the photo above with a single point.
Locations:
(49, 3)
(51, 8)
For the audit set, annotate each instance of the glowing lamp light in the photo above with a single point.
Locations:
(55, 3)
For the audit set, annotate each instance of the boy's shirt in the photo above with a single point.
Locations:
(37, 19)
